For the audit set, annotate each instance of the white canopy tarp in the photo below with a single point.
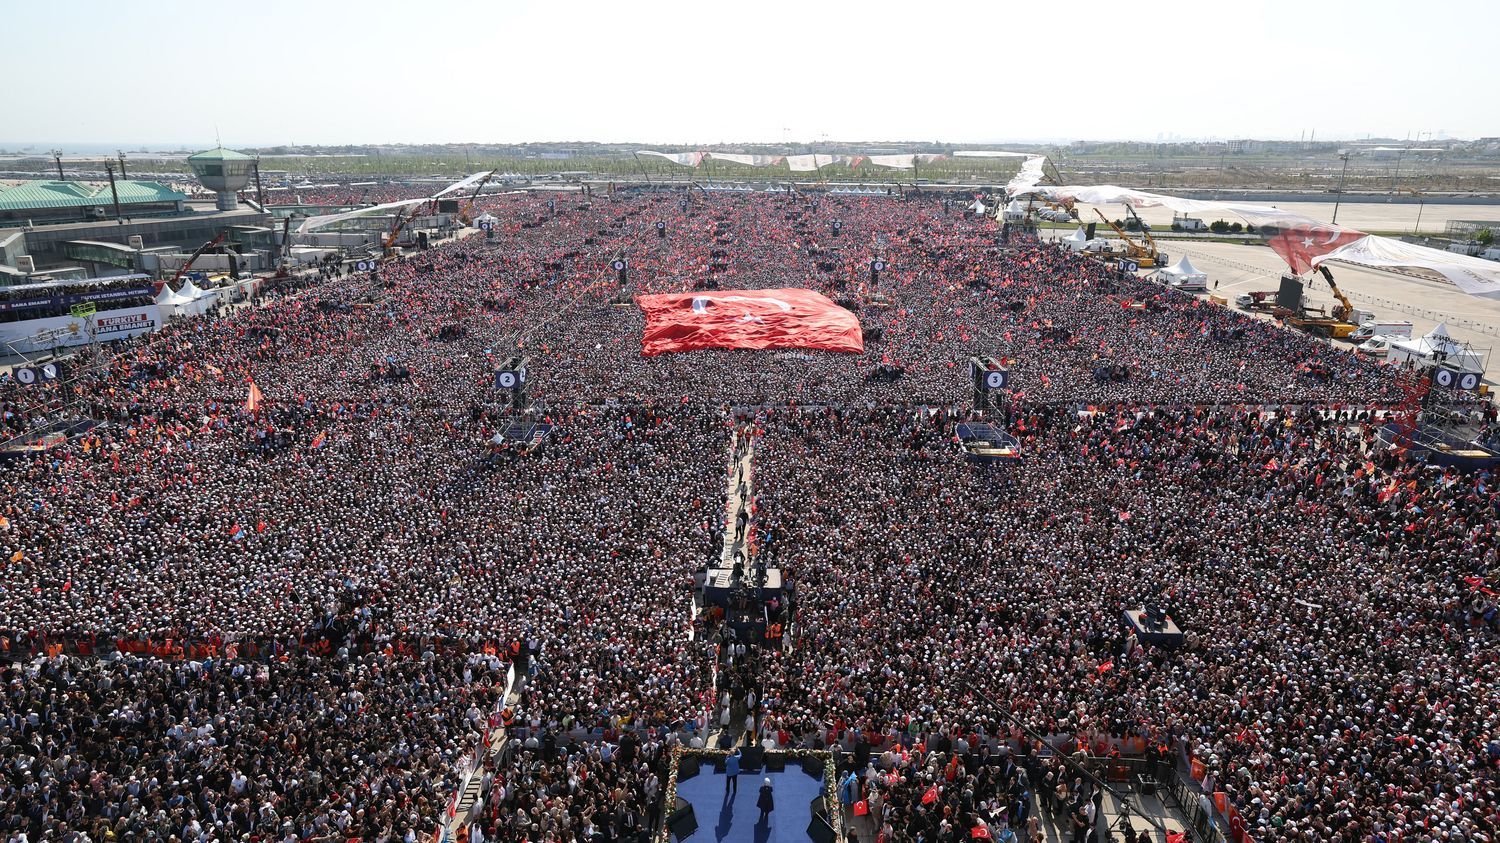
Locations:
(1110, 194)
(1028, 176)
(467, 181)
(1183, 275)
(900, 162)
(1077, 240)
(1475, 276)
(811, 163)
(747, 160)
(189, 301)
(686, 159)
(314, 223)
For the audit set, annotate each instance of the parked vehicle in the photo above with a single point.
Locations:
(1381, 328)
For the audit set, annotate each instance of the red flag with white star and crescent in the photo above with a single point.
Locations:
(751, 319)
(1298, 244)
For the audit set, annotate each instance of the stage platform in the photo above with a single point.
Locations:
(718, 585)
(735, 819)
(987, 444)
(1442, 447)
(1168, 634)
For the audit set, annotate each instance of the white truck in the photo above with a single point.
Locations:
(1391, 330)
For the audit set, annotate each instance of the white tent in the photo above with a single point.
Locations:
(978, 206)
(193, 301)
(1015, 211)
(1434, 347)
(174, 304)
(1077, 240)
(1184, 275)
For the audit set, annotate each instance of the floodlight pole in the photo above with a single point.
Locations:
(1340, 196)
(260, 195)
(57, 157)
(110, 168)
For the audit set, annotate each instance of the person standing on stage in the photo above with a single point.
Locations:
(732, 773)
(766, 802)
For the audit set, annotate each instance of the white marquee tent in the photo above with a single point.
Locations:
(1184, 274)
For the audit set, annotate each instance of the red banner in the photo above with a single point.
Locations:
(783, 318)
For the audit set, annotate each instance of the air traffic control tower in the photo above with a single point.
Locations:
(223, 171)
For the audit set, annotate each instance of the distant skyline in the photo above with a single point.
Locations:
(678, 73)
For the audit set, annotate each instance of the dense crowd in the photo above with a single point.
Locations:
(1339, 676)
(307, 749)
(360, 533)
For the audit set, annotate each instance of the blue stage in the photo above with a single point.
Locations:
(736, 819)
(987, 444)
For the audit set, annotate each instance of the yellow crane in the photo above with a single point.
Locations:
(1142, 255)
(1157, 257)
(466, 215)
(1344, 310)
(1338, 324)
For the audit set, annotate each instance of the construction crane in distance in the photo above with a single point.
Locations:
(466, 213)
(202, 250)
(402, 221)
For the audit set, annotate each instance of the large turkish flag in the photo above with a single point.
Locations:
(1299, 244)
(782, 318)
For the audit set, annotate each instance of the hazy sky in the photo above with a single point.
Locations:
(321, 71)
